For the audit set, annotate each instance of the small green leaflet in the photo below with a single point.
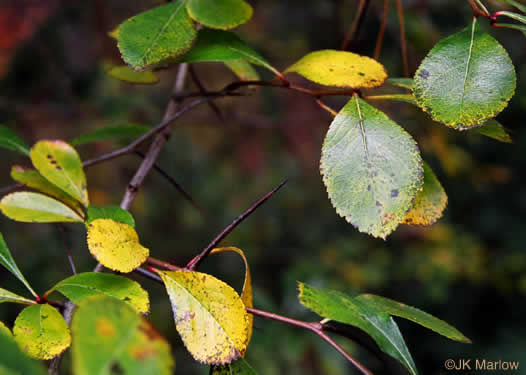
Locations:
(466, 79)
(494, 129)
(222, 46)
(114, 213)
(126, 74)
(14, 362)
(11, 141)
(41, 332)
(31, 207)
(112, 133)
(82, 286)
(7, 296)
(60, 164)
(415, 315)
(109, 334)
(405, 83)
(371, 167)
(237, 367)
(219, 14)
(6, 259)
(156, 35)
(336, 306)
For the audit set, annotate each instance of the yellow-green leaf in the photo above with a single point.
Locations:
(4, 329)
(116, 245)
(219, 14)
(340, 69)
(82, 286)
(41, 332)
(7, 296)
(126, 74)
(109, 337)
(246, 293)
(430, 202)
(37, 208)
(31, 178)
(494, 129)
(243, 69)
(13, 361)
(209, 315)
(60, 164)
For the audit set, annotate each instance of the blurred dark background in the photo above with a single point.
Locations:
(468, 269)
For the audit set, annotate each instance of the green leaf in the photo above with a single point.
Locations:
(336, 306)
(126, 74)
(31, 178)
(7, 296)
(494, 129)
(430, 202)
(109, 337)
(237, 367)
(512, 26)
(112, 133)
(405, 83)
(340, 69)
(60, 164)
(6, 259)
(371, 167)
(223, 46)
(114, 213)
(466, 79)
(14, 362)
(516, 4)
(41, 332)
(82, 286)
(405, 98)
(11, 141)
(415, 315)
(209, 316)
(37, 208)
(243, 70)
(116, 245)
(219, 14)
(156, 35)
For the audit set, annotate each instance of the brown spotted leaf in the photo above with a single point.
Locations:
(209, 315)
(109, 337)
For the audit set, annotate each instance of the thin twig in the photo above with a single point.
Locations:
(477, 11)
(203, 90)
(403, 41)
(315, 327)
(381, 32)
(192, 265)
(325, 107)
(66, 247)
(161, 264)
(354, 31)
(175, 184)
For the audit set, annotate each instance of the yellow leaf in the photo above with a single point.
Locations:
(340, 69)
(246, 293)
(116, 245)
(209, 316)
(430, 202)
(41, 332)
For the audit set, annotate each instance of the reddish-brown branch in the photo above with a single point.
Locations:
(315, 327)
(354, 30)
(192, 265)
(477, 12)
(161, 264)
(403, 41)
(381, 32)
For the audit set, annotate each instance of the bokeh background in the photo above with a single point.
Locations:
(469, 269)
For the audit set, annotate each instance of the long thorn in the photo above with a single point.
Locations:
(195, 262)
(203, 90)
(381, 32)
(66, 247)
(175, 184)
